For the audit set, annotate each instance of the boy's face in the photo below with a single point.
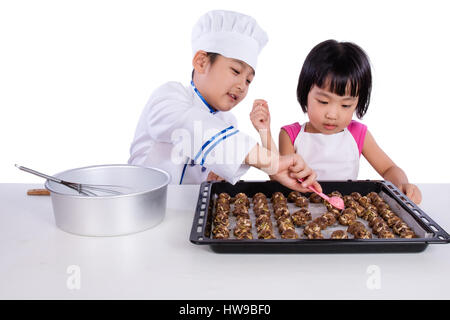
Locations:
(328, 112)
(225, 82)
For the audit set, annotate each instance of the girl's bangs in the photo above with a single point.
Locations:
(340, 84)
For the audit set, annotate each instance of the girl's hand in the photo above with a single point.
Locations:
(260, 115)
(412, 192)
(214, 177)
(291, 168)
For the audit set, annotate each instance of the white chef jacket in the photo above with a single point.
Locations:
(181, 134)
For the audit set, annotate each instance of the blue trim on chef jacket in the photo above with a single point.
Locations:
(211, 140)
(203, 99)
(192, 162)
(215, 143)
(182, 174)
(184, 169)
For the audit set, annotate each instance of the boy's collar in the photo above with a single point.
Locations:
(211, 109)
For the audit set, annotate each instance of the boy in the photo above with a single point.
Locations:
(188, 132)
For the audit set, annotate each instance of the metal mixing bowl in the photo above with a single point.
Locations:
(141, 207)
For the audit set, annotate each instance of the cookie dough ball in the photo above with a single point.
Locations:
(376, 220)
(285, 225)
(379, 226)
(372, 218)
(222, 210)
(372, 195)
(328, 205)
(243, 233)
(278, 196)
(240, 209)
(385, 234)
(278, 205)
(399, 227)
(408, 233)
(369, 215)
(359, 210)
(302, 210)
(355, 226)
(242, 222)
(364, 201)
(321, 221)
(339, 234)
(315, 198)
(262, 219)
(336, 212)
(311, 228)
(293, 196)
(245, 236)
(382, 206)
(225, 196)
(336, 194)
(363, 234)
(266, 234)
(223, 203)
(373, 208)
(221, 232)
(330, 218)
(378, 201)
(301, 201)
(259, 201)
(241, 198)
(264, 226)
(221, 220)
(259, 196)
(393, 221)
(281, 212)
(356, 195)
(261, 209)
(386, 214)
(289, 234)
(349, 211)
(347, 219)
(301, 218)
(350, 203)
(317, 235)
(348, 198)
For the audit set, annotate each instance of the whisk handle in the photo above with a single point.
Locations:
(39, 174)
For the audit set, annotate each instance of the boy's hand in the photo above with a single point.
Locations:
(260, 115)
(412, 192)
(291, 168)
(214, 177)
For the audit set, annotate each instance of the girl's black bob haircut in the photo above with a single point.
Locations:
(343, 66)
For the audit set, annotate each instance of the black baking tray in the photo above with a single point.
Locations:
(202, 223)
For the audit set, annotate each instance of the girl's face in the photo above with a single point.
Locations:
(328, 112)
(225, 83)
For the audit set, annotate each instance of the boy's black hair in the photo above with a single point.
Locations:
(347, 67)
(212, 57)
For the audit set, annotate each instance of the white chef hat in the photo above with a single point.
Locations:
(231, 34)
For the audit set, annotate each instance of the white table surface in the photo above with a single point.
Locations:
(161, 263)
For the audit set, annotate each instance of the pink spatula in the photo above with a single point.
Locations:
(334, 201)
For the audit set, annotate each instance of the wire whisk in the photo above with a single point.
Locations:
(90, 190)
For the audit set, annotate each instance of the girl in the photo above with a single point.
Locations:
(188, 131)
(335, 82)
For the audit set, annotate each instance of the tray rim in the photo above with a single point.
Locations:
(440, 236)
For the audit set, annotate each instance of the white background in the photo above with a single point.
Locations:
(75, 75)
